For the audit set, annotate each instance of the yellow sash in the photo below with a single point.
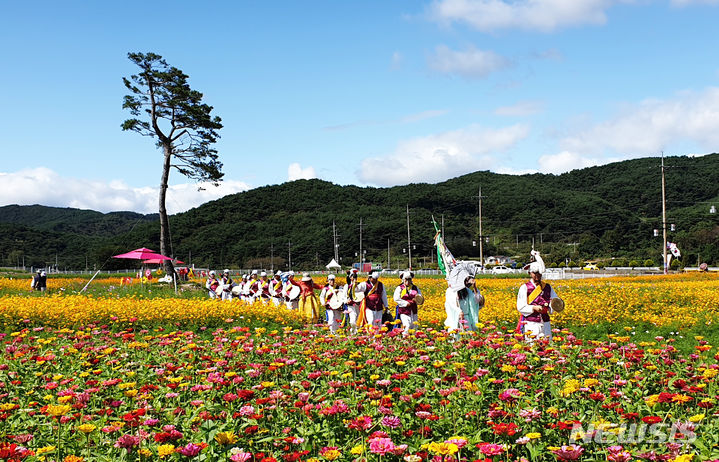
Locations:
(535, 293)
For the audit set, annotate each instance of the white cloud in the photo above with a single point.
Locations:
(640, 130)
(470, 63)
(652, 125)
(520, 109)
(441, 156)
(542, 15)
(296, 172)
(44, 186)
(564, 162)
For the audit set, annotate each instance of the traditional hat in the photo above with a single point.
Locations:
(226, 271)
(306, 277)
(263, 274)
(374, 274)
(212, 273)
(407, 275)
(254, 271)
(330, 276)
(278, 273)
(537, 265)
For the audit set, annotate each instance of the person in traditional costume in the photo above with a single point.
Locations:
(276, 289)
(330, 297)
(211, 284)
(227, 284)
(264, 288)
(374, 302)
(462, 299)
(533, 302)
(351, 306)
(407, 296)
(291, 303)
(309, 304)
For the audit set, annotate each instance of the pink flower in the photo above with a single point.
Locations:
(127, 442)
(240, 457)
(381, 446)
(247, 411)
(618, 454)
(571, 452)
(489, 449)
(190, 450)
(391, 421)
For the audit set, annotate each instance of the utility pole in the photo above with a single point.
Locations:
(389, 264)
(443, 235)
(361, 256)
(334, 239)
(664, 219)
(409, 242)
(289, 254)
(272, 257)
(481, 251)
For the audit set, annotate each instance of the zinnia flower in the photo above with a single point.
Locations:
(571, 452)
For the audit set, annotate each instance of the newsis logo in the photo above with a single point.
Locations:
(607, 433)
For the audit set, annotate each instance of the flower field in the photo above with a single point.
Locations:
(130, 377)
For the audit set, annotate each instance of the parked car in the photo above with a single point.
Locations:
(501, 269)
(590, 267)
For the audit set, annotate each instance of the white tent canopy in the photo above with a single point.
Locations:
(333, 264)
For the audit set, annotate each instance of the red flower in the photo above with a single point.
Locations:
(506, 429)
(650, 420)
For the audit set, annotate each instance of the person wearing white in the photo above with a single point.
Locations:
(227, 284)
(351, 307)
(533, 303)
(462, 299)
(328, 293)
(292, 304)
(405, 296)
(276, 289)
(375, 299)
(211, 284)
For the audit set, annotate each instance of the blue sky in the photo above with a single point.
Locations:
(369, 93)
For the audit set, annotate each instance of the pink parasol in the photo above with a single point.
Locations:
(142, 254)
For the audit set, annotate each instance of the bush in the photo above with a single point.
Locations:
(676, 264)
(553, 265)
(562, 265)
(619, 262)
(649, 262)
(572, 264)
(633, 263)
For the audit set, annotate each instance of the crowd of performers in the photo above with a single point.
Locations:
(356, 304)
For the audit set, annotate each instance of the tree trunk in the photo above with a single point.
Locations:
(164, 220)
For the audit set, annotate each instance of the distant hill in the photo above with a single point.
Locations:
(601, 212)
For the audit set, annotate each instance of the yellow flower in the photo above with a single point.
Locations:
(374, 377)
(44, 450)
(533, 435)
(144, 452)
(357, 450)
(696, 418)
(684, 458)
(226, 438)
(73, 459)
(165, 450)
(267, 384)
(86, 428)
(332, 454)
(58, 410)
(443, 449)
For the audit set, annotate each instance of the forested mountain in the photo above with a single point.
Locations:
(600, 212)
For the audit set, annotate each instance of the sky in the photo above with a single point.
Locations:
(371, 93)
